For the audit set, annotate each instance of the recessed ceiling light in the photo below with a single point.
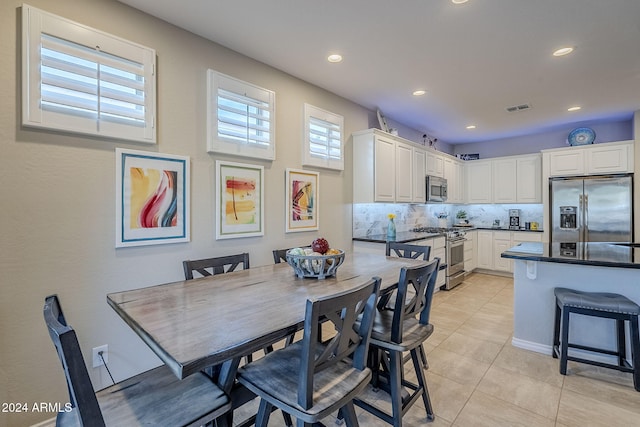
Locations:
(459, 1)
(471, 127)
(563, 51)
(576, 108)
(419, 92)
(334, 58)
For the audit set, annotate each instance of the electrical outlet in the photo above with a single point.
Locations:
(97, 360)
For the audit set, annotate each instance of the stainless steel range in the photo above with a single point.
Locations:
(455, 238)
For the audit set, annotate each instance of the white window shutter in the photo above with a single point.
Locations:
(323, 143)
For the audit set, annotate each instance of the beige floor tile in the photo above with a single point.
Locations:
(483, 327)
(447, 396)
(449, 316)
(483, 410)
(461, 369)
(611, 386)
(580, 410)
(475, 348)
(523, 391)
(535, 365)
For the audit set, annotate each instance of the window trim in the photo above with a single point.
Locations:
(35, 23)
(217, 81)
(308, 159)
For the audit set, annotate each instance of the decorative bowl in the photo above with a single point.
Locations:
(319, 266)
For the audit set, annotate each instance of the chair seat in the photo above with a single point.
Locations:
(602, 301)
(413, 332)
(275, 378)
(157, 398)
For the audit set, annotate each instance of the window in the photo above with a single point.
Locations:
(323, 145)
(81, 80)
(240, 118)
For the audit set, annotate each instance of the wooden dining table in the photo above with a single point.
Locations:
(196, 324)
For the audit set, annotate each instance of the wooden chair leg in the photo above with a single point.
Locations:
(635, 351)
(556, 332)
(262, 419)
(565, 340)
(422, 382)
(622, 342)
(287, 419)
(348, 414)
(395, 380)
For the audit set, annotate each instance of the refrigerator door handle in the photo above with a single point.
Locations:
(585, 218)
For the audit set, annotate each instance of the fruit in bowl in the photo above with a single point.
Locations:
(310, 262)
(320, 245)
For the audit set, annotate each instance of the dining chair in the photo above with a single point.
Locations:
(218, 265)
(280, 255)
(407, 250)
(155, 397)
(403, 328)
(310, 380)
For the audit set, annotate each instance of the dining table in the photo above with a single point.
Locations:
(214, 321)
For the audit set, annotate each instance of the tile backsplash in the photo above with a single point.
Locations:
(371, 218)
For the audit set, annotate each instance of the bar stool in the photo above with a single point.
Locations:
(597, 304)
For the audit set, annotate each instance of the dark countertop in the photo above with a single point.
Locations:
(506, 229)
(604, 254)
(401, 237)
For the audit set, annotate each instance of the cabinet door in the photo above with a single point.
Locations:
(485, 249)
(608, 159)
(453, 175)
(504, 181)
(501, 243)
(385, 170)
(419, 175)
(404, 173)
(563, 163)
(470, 253)
(479, 181)
(529, 179)
(435, 165)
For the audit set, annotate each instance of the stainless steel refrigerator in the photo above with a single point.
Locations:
(592, 209)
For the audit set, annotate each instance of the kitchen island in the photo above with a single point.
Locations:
(591, 267)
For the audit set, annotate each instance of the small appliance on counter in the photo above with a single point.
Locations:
(514, 219)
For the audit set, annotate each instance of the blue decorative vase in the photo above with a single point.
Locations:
(391, 231)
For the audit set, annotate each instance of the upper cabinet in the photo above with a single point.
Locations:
(610, 157)
(515, 179)
(387, 168)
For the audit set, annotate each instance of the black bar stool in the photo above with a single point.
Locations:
(598, 304)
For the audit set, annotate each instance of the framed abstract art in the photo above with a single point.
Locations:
(239, 200)
(152, 198)
(301, 200)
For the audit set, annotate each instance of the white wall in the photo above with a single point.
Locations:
(605, 132)
(58, 200)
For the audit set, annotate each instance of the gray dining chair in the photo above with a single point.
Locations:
(217, 265)
(407, 250)
(280, 255)
(155, 397)
(311, 380)
(403, 328)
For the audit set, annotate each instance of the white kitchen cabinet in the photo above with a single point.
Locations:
(529, 179)
(470, 252)
(518, 237)
(435, 164)
(501, 243)
(404, 172)
(453, 172)
(610, 157)
(484, 245)
(439, 250)
(504, 173)
(479, 181)
(374, 167)
(419, 176)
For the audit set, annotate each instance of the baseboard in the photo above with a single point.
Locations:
(532, 346)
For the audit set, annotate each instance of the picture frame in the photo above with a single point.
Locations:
(152, 198)
(239, 200)
(302, 203)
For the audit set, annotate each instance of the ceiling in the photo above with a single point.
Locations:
(474, 60)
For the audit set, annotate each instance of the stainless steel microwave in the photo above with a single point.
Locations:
(436, 189)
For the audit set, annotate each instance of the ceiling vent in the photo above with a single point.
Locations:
(520, 107)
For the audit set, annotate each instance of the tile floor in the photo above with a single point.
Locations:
(477, 378)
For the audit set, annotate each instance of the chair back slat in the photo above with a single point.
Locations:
(280, 255)
(351, 338)
(217, 265)
(81, 394)
(407, 250)
(422, 279)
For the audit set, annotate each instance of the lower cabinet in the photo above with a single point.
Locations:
(501, 243)
(470, 252)
(492, 243)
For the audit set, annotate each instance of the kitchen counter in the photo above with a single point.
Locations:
(623, 255)
(401, 237)
(506, 229)
(591, 267)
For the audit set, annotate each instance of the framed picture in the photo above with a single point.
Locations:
(239, 200)
(302, 200)
(152, 198)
